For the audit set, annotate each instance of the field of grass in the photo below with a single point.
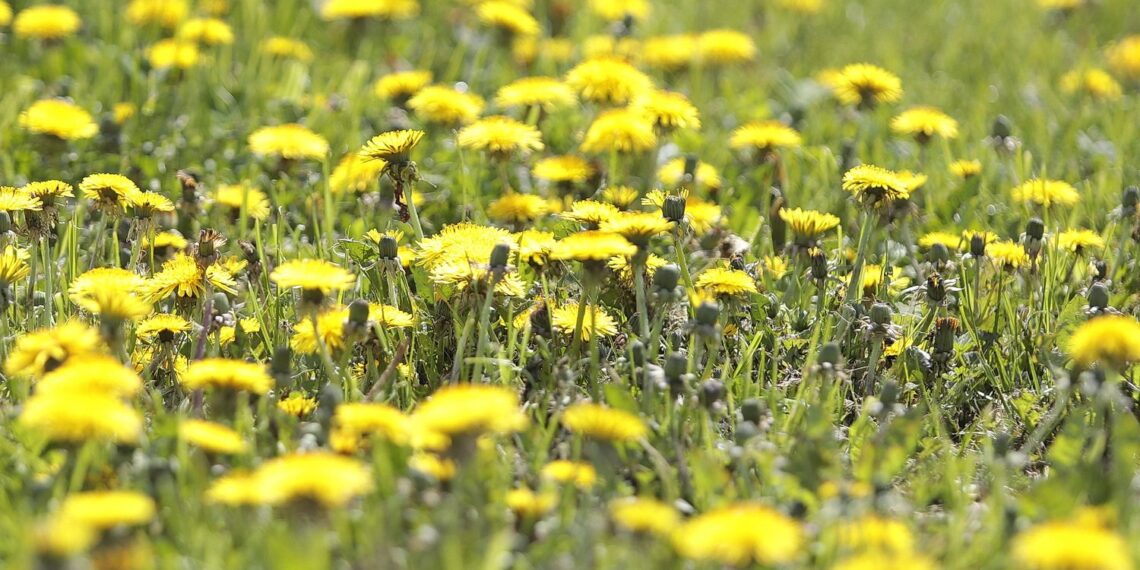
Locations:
(569, 284)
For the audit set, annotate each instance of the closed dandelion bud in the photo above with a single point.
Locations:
(752, 410)
(1002, 128)
(674, 209)
(389, 249)
(329, 398)
(1002, 442)
(818, 264)
(707, 314)
(666, 278)
(830, 354)
(1035, 229)
(5, 223)
(712, 392)
(221, 303)
(881, 314)
(1099, 269)
(977, 245)
(935, 288)
(1098, 296)
(500, 256)
(675, 366)
(1130, 200)
(281, 365)
(890, 394)
(939, 254)
(691, 163)
(746, 431)
(358, 313)
(637, 350)
(945, 332)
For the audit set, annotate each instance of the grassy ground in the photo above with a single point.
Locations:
(788, 422)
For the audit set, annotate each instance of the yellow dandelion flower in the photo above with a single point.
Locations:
(468, 410)
(13, 200)
(592, 246)
(765, 137)
(723, 282)
(62, 539)
(297, 405)
(508, 17)
(327, 479)
(46, 22)
(1124, 57)
(622, 265)
(1007, 254)
(146, 204)
(102, 510)
(722, 47)
(1063, 545)
(114, 304)
(807, 225)
(638, 514)
(207, 31)
(608, 81)
(966, 168)
(526, 503)
(227, 374)
(866, 85)
(43, 350)
(517, 208)
(620, 130)
(286, 48)
(432, 465)
(401, 85)
(91, 374)
(876, 533)
(165, 13)
(873, 184)
(601, 46)
(238, 196)
(355, 173)
(595, 321)
(1046, 193)
(637, 227)
(620, 196)
(446, 106)
(500, 137)
(602, 423)
(181, 276)
(173, 54)
(951, 240)
(76, 417)
(563, 169)
(464, 242)
(670, 52)
(372, 419)
(290, 141)
(107, 190)
(1079, 240)
(546, 92)
(1111, 340)
(13, 268)
(740, 534)
(1095, 83)
(925, 123)
(58, 118)
(380, 9)
(774, 266)
(617, 9)
(582, 475)
(885, 560)
(211, 437)
(391, 147)
(312, 275)
(235, 489)
(162, 328)
(668, 110)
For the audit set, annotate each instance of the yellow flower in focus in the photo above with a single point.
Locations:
(146, 204)
(165, 13)
(595, 321)
(807, 225)
(60, 119)
(723, 47)
(162, 328)
(874, 185)
(738, 535)
(1079, 240)
(401, 85)
(608, 81)
(646, 515)
(620, 130)
(1095, 83)
(1046, 193)
(102, 510)
(13, 268)
(289, 141)
(590, 212)
(865, 85)
(46, 22)
(181, 276)
(224, 373)
(211, 437)
(1111, 340)
(446, 106)
(534, 246)
(297, 405)
(723, 282)
(14, 200)
(582, 475)
(925, 123)
(500, 137)
(207, 31)
(606, 424)
(107, 190)
(1075, 545)
(951, 240)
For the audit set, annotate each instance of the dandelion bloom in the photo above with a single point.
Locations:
(312, 275)
(1007, 254)
(327, 479)
(582, 475)
(107, 509)
(227, 374)
(1112, 340)
(526, 503)
(1124, 57)
(401, 85)
(866, 85)
(286, 48)
(355, 173)
(207, 31)
(181, 276)
(886, 560)
(966, 168)
(875, 533)
(13, 268)
(76, 417)
(62, 538)
(46, 22)
(668, 110)
(617, 9)
(60, 119)
(517, 208)
(590, 212)
(738, 535)
(331, 325)
(14, 200)
(621, 196)
(237, 197)
(211, 437)
(563, 169)
(765, 137)
(94, 373)
(596, 322)
(173, 54)
(462, 242)
(873, 184)
(446, 106)
(925, 123)
(603, 423)
(360, 9)
(546, 92)
(359, 419)
(620, 130)
(1046, 193)
(290, 141)
(721, 47)
(507, 17)
(107, 190)
(671, 52)
(432, 466)
(162, 328)
(673, 173)
(297, 405)
(44, 350)
(724, 282)
(146, 204)
(114, 304)
(637, 227)
(592, 246)
(534, 246)
(500, 137)
(1079, 240)
(1074, 545)
(5, 13)
(165, 13)
(638, 514)
(1095, 83)
(950, 240)
(807, 225)
(608, 81)
(468, 410)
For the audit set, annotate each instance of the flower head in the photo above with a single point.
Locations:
(401, 85)
(146, 204)
(173, 53)
(1079, 240)
(326, 479)
(392, 146)
(469, 409)
(646, 515)
(563, 169)
(925, 123)
(1070, 545)
(360, 9)
(237, 197)
(91, 374)
(582, 475)
(183, 277)
(724, 282)
(76, 417)
(44, 350)
(590, 212)
(966, 168)
(107, 190)
(211, 437)
(1124, 57)
(546, 92)
(297, 405)
(740, 534)
(874, 185)
(13, 268)
(46, 22)
(595, 321)
(765, 137)
(668, 110)
(290, 141)
(1046, 193)
(227, 374)
(165, 13)
(58, 118)
(14, 200)
(162, 328)
(602, 423)
(637, 227)
(446, 106)
(207, 31)
(1007, 254)
(807, 225)
(617, 9)
(286, 48)
(866, 85)
(621, 130)
(608, 81)
(312, 275)
(517, 208)
(507, 16)
(106, 509)
(1111, 340)
(500, 137)
(723, 46)
(671, 52)
(592, 246)
(355, 173)
(1095, 83)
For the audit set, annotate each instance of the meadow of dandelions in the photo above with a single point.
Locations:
(569, 284)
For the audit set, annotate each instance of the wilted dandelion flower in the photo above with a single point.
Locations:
(446, 106)
(290, 141)
(1046, 193)
(874, 185)
(401, 85)
(608, 81)
(320, 477)
(237, 196)
(312, 275)
(595, 321)
(637, 227)
(103, 510)
(1095, 83)
(60, 119)
(360, 9)
(207, 31)
(515, 208)
(580, 474)
(227, 374)
(1063, 545)
(507, 17)
(165, 13)
(723, 46)
(620, 130)
(107, 190)
(173, 53)
(865, 85)
(528, 504)
(76, 417)
(44, 350)
(966, 168)
(1008, 254)
(356, 173)
(566, 169)
(638, 514)
(46, 22)
(604, 424)
(723, 282)
(211, 437)
(925, 123)
(668, 110)
(807, 225)
(1112, 340)
(468, 410)
(738, 535)
(500, 137)
(286, 48)
(162, 328)
(1124, 57)
(617, 9)
(671, 52)
(765, 137)
(592, 246)
(1079, 240)
(91, 374)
